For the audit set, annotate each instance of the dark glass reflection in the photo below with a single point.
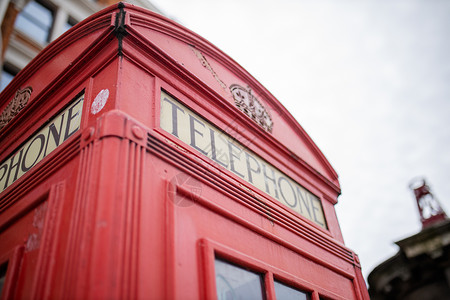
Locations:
(3, 269)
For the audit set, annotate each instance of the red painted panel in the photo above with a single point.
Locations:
(124, 209)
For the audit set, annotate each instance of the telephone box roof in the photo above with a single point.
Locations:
(138, 32)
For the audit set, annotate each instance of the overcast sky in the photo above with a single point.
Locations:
(370, 83)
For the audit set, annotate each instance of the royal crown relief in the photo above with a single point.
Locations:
(19, 101)
(250, 105)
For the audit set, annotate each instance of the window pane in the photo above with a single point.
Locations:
(36, 21)
(5, 79)
(69, 24)
(284, 292)
(237, 283)
(3, 269)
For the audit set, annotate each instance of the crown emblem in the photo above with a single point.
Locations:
(15, 105)
(250, 105)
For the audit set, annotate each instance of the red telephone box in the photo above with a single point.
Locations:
(140, 162)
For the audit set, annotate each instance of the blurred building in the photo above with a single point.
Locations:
(27, 26)
(421, 268)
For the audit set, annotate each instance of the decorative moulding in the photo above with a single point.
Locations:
(250, 105)
(19, 101)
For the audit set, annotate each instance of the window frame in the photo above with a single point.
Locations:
(210, 251)
(13, 258)
(49, 6)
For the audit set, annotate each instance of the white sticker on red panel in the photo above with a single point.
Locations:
(99, 101)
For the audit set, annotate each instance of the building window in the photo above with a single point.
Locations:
(69, 24)
(36, 21)
(233, 282)
(284, 292)
(7, 75)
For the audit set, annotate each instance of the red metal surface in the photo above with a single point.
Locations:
(123, 209)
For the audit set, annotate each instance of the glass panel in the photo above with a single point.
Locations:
(6, 79)
(234, 283)
(3, 269)
(69, 24)
(284, 292)
(36, 21)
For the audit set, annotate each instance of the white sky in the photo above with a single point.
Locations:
(370, 83)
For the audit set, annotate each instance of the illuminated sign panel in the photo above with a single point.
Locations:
(225, 151)
(42, 143)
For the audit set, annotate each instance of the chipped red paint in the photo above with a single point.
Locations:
(124, 209)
